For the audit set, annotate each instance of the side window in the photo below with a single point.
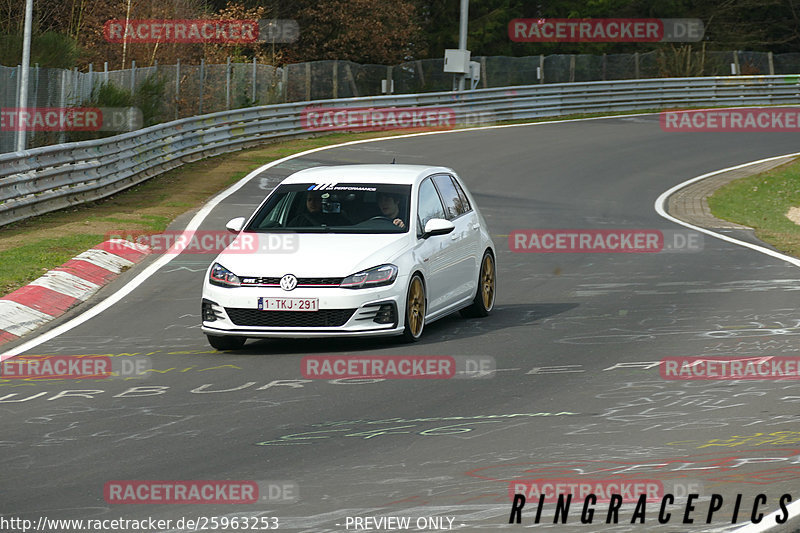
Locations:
(430, 206)
(449, 195)
(464, 205)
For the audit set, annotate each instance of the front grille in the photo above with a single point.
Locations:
(297, 319)
(301, 282)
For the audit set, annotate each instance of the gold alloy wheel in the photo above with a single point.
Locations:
(487, 282)
(415, 307)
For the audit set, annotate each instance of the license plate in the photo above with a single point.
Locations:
(288, 304)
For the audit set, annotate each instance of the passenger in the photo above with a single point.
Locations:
(390, 208)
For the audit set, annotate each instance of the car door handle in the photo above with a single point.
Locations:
(476, 226)
(453, 237)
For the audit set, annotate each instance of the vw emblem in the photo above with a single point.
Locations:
(288, 282)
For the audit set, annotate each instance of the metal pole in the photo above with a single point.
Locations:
(90, 82)
(462, 37)
(133, 76)
(253, 92)
(177, 85)
(228, 84)
(202, 83)
(25, 67)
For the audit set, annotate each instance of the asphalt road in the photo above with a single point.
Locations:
(574, 337)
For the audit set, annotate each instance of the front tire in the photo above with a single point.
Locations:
(226, 342)
(483, 303)
(415, 309)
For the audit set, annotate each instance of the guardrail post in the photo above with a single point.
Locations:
(420, 73)
(771, 64)
(636, 65)
(133, 75)
(105, 71)
(484, 81)
(736, 63)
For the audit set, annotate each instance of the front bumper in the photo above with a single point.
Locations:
(342, 312)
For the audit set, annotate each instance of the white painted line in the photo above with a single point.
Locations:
(19, 319)
(661, 201)
(103, 259)
(794, 508)
(67, 283)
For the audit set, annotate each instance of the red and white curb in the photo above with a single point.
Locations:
(59, 289)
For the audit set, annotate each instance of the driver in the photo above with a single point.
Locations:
(313, 215)
(390, 208)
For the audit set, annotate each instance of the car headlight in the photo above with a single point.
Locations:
(372, 277)
(223, 277)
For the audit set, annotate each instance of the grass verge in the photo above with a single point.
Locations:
(762, 202)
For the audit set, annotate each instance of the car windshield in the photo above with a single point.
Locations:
(335, 208)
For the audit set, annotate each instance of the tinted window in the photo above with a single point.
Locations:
(430, 206)
(452, 202)
(464, 206)
(339, 208)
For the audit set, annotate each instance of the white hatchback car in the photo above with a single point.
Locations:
(356, 250)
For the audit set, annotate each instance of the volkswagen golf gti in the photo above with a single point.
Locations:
(361, 250)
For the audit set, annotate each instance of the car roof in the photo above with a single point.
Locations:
(384, 173)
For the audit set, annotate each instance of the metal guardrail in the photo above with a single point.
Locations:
(49, 178)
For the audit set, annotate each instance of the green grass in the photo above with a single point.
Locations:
(761, 202)
(25, 263)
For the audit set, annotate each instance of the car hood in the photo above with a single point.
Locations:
(310, 254)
